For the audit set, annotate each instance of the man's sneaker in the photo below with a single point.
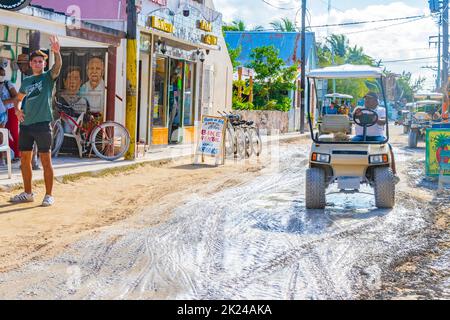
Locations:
(23, 197)
(48, 201)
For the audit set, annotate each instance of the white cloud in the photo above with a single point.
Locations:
(406, 40)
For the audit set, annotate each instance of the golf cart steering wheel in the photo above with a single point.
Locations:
(365, 117)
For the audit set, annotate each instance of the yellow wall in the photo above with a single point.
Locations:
(160, 136)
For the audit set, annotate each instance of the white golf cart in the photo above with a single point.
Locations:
(426, 110)
(335, 158)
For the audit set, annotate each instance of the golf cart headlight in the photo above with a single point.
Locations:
(379, 158)
(320, 157)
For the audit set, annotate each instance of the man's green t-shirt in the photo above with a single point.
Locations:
(37, 105)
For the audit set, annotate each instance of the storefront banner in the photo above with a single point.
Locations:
(437, 140)
(212, 136)
(14, 5)
(81, 85)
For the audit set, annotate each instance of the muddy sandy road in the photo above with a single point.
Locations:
(251, 238)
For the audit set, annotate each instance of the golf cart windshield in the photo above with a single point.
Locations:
(360, 127)
(428, 106)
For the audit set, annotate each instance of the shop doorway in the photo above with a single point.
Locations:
(175, 100)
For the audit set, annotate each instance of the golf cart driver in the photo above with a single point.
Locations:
(374, 132)
(366, 158)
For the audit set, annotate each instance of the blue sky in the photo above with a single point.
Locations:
(388, 41)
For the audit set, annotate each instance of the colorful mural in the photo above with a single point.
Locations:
(437, 140)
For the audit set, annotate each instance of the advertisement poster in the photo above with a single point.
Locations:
(437, 140)
(81, 85)
(212, 135)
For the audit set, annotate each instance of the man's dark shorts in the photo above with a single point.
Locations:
(40, 132)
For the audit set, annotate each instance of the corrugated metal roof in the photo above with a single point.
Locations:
(289, 43)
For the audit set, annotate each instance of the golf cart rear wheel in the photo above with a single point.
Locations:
(315, 188)
(413, 138)
(384, 187)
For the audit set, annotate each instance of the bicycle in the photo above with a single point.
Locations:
(244, 135)
(109, 140)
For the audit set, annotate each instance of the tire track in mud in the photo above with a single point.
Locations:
(253, 240)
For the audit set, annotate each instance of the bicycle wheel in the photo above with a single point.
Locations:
(229, 141)
(248, 143)
(240, 142)
(57, 137)
(110, 140)
(256, 142)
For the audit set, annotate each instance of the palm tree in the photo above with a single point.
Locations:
(356, 55)
(239, 25)
(339, 43)
(258, 28)
(236, 25)
(284, 25)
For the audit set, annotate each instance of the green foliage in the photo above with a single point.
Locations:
(407, 86)
(343, 54)
(234, 55)
(284, 25)
(273, 79)
(240, 104)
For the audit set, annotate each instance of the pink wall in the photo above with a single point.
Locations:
(90, 9)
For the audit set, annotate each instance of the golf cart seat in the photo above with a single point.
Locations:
(334, 123)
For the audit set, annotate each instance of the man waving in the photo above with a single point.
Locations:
(35, 115)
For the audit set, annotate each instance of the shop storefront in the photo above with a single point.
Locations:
(173, 50)
(88, 52)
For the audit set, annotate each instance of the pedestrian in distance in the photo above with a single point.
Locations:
(35, 117)
(8, 96)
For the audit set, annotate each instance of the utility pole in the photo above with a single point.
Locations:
(131, 109)
(438, 43)
(444, 80)
(332, 48)
(303, 70)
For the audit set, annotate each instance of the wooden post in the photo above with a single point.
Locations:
(111, 93)
(239, 79)
(250, 97)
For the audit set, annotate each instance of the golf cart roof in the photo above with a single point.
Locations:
(421, 102)
(346, 71)
(428, 95)
(338, 95)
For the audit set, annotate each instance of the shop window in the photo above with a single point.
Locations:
(159, 93)
(81, 85)
(189, 90)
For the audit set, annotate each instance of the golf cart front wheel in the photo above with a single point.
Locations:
(315, 188)
(384, 186)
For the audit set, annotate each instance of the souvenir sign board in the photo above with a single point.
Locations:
(14, 5)
(437, 140)
(212, 138)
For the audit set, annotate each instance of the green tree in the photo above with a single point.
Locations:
(284, 25)
(234, 55)
(338, 43)
(273, 79)
(407, 86)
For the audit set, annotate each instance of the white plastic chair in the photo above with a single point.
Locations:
(4, 147)
(75, 134)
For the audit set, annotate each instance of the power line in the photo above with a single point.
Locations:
(276, 7)
(382, 27)
(323, 1)
(415, 18)
(369, 21)
(413, 59)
